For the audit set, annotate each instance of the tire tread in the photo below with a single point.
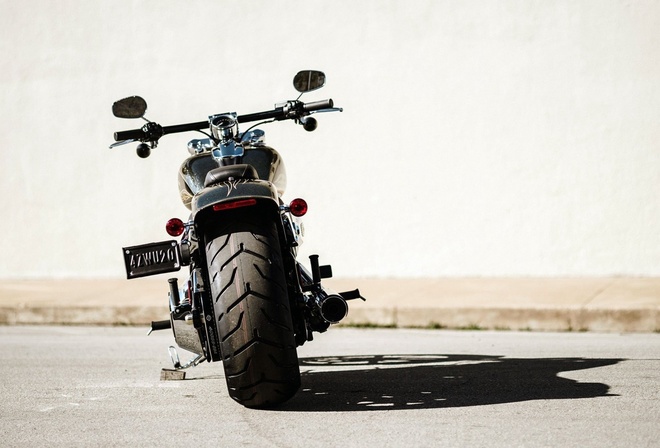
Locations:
(254, 319)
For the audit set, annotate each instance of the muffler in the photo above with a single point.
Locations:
(325, 306)
(331, 306)
(328, 306)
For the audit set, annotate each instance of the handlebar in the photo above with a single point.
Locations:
(279, 113)
(139, 134)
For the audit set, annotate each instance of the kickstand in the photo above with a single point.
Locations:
(177, 373)
(174, 356)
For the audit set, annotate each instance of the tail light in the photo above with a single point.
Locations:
(234, 204)
(298, 207)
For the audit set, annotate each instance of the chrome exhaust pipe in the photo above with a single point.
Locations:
(330, 306)
(326, 306)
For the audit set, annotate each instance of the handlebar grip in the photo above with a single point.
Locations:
(133, 134)
(318, 105)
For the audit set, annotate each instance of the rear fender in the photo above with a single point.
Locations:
(261, 201)
(264, 192)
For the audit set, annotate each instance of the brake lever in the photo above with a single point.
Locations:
(331, 109)
(124, 142)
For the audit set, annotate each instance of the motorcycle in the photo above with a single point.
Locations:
(247, 301)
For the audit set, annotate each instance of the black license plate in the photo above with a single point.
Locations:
(152, 259)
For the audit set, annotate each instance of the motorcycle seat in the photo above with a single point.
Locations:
(225, 173)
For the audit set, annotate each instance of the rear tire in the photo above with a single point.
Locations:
(252, 310)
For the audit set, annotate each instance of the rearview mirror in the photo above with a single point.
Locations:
(308, 80)
(131, 107)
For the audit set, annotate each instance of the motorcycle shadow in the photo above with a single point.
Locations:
(382, 382)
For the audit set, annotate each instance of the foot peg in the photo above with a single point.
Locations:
(351, 295)
(159, 325)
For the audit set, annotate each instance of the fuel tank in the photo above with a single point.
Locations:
(264, 159)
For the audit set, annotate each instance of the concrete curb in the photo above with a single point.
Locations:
(607, 305)
(641, 320)
(83, 315)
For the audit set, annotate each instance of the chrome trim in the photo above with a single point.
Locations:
(224, 127)
(198, 146)
(293, 226)
(228, 150)
(255, 137)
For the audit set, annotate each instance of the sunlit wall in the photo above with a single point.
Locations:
(481, 138)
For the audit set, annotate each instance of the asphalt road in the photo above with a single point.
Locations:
(87, 386)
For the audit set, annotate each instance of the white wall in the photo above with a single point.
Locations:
(479, 138)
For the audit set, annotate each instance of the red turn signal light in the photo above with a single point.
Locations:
(175, 227)
(298, 207)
